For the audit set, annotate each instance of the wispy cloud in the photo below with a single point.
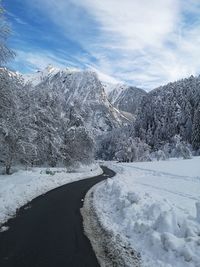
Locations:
(15, 18)
(146, 43)
(153, 41)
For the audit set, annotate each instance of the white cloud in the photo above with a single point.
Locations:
(137, 23)
(154, 44)
(144, 42)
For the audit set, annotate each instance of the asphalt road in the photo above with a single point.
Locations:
(48, 231)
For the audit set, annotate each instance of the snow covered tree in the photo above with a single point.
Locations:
(132, 149)
(196, 129)
(176, 148)
(9, 121)
(158, 155)
(121, 145)
(46, 123)
(14, 127)
(168, 111)
(180, 148)
(5, 52)
(61, 137)
(78, 145)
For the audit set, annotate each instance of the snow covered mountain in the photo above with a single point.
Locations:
(84, 91)
(126, 98)
(159, 115)
(40, 75)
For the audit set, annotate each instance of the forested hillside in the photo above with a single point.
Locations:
(167, 125)
(171, 110)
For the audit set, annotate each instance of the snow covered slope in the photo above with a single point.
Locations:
(126, 98)
(155, 206)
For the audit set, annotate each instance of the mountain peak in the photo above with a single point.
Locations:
(40, 75)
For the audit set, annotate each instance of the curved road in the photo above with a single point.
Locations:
(48, 231)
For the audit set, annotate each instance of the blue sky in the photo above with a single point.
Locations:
(141, 42)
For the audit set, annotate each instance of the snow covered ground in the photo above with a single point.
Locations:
(21, 187)
(155, 206)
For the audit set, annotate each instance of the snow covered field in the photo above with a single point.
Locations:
(156, 207)
(23, 186)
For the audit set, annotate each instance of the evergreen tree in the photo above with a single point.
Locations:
(196, 129)
(5, 52)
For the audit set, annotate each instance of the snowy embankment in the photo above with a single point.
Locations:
(154, 207)
(21, 187)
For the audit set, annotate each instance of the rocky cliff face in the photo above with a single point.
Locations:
(126, 98)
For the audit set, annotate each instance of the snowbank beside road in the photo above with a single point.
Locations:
(109, 248)
(21, 187)
(156, 208)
